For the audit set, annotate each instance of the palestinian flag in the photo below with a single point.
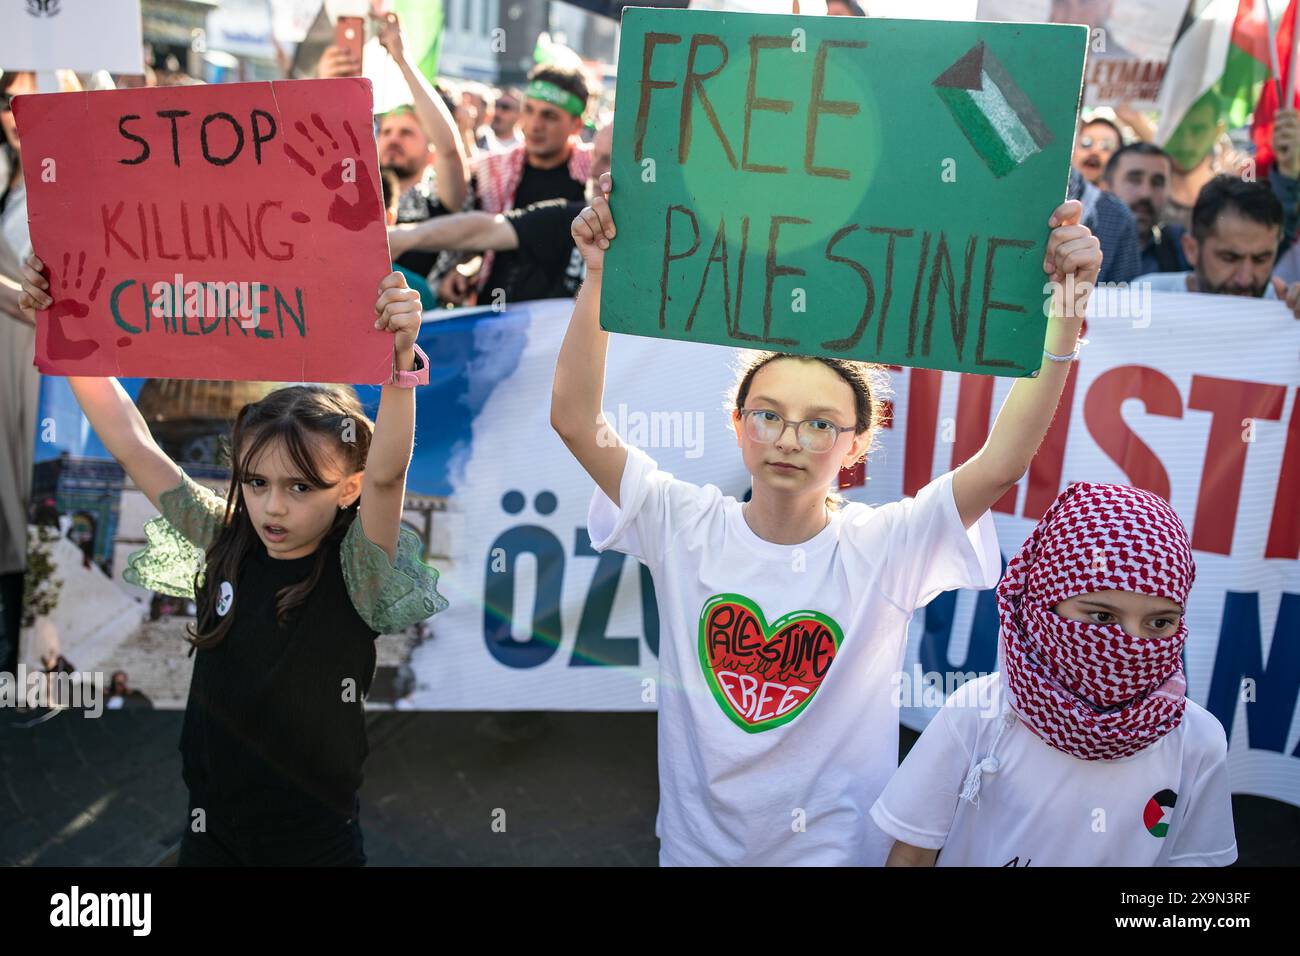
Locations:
(1218, 62)
(1158, 812)
(1261, 130)
(422, 22)
(992, 110)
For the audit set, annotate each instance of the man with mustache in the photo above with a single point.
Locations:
(1097, 141)
(1110, 221)
(1139, 174)
(1232, 245)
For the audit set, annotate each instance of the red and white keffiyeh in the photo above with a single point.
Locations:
(498, 176)
(1091, 690)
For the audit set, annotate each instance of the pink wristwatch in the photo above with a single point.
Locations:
(403, 378)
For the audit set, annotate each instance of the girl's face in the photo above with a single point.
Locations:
(798, 390)
(290, 514)
(1140, 615)
(22, 83)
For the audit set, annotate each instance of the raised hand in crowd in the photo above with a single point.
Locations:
(337, 61)
(437, 121)
(1290, 294)
(1286, 143)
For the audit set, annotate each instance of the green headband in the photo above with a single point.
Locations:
(550, 93)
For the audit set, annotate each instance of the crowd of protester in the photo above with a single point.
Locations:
(481, 185)
(1231, 239)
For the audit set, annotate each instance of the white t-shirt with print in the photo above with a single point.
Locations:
(1167, 805)
(772, 751)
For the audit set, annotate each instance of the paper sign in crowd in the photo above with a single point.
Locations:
(869, 189)
(217, 232)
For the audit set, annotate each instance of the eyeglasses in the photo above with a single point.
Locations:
(816, 435)
(1087, 142)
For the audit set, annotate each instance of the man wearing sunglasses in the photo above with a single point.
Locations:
(1097, 141)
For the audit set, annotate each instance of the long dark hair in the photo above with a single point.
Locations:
(298, 416)
(7, 79)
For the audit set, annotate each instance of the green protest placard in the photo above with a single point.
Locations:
(861, 188)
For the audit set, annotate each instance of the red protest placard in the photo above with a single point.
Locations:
(219, 232)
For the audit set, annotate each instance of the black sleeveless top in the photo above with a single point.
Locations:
(274, 727)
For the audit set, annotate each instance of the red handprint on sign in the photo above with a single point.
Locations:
(60, 344)
(353, 215)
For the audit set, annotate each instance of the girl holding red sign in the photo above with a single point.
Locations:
(294, 573)
(784, 618)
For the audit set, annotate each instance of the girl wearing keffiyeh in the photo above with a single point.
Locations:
(1084, 749)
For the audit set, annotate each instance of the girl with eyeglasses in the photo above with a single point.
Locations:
(784, 618)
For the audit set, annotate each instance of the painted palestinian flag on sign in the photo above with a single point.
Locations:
(992, 110)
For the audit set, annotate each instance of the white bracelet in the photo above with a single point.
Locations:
(1066, 358)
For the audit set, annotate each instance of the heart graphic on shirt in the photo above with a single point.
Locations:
(763, 675)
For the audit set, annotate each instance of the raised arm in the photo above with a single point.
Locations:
(432, 112)
(904, 854)
(383, 486)
(111, 412)
(579, 385)
(1072, 260)
(462, 230)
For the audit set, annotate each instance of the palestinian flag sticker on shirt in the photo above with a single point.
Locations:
(1158, 811)
(764, 675)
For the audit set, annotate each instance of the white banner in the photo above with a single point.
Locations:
(1196, 400)
(80, 35)
(1128, 41)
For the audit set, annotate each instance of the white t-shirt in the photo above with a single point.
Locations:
(1167, 805)
(780, 766)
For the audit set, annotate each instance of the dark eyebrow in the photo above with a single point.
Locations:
(1114, 610)
(1101, 604)
(292, 479)
(818, 412)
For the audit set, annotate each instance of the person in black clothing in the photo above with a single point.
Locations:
(554, 102)
(1139, 175)
(545, 263)
(304, 562)
(122, 696)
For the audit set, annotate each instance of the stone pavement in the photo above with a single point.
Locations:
(576, 789)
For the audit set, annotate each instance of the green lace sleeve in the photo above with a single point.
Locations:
(194, 511)
(176, 542)
(389, 597)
